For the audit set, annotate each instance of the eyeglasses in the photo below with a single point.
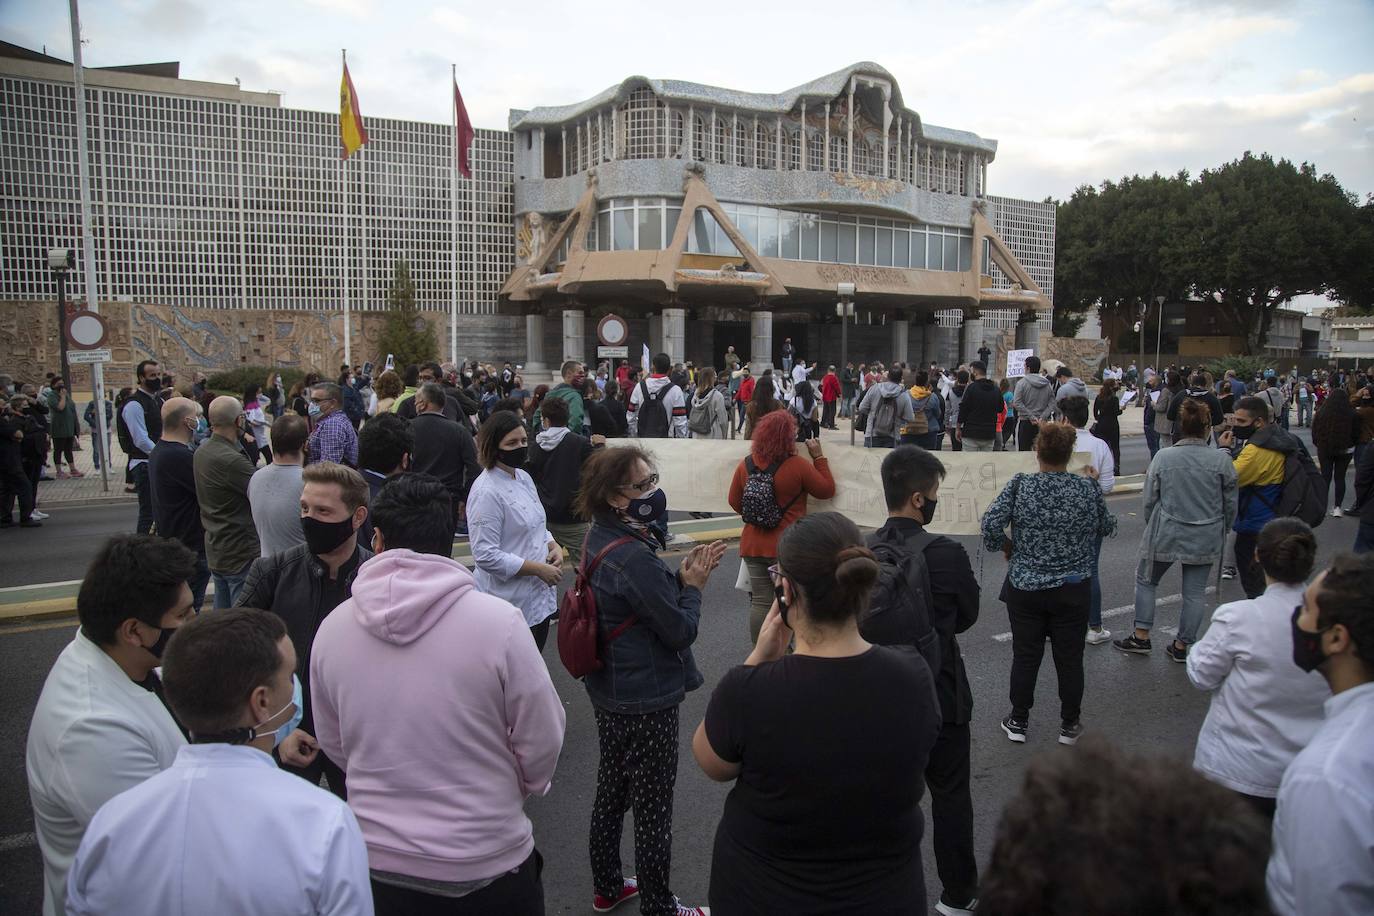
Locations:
(320, 400)
(645, 484)
(775, 573)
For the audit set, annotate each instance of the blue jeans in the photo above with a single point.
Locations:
(1194, 588)
(787, 365)
(1304, 412)
(879, 442)
(228, 586)
(1095, 594)
(1364, 538)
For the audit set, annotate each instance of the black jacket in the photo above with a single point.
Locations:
(558, 474)
(1202, 395)
(978, 409)
(290, 584)
(457, 407)
(1364, 485)
(956, 609)
(445, 450)
(601, 420)
(172, 482)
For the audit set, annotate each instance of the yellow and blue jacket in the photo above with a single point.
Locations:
(1260, 475)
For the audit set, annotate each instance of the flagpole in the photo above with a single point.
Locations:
(453, 214)
(347, 259)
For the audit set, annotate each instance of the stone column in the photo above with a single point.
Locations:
(760, 341)
(574, 335)
(534, 344)
(1028, 331)
(901, 349)
(655, 335)
(972, 336)
(675, 334)
(930, 342)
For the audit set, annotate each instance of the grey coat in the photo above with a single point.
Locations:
(1190, 504)
(1163, 425)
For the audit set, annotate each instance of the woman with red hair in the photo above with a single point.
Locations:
(769, 492)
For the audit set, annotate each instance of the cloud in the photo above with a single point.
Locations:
(177, 18)
(358, 9)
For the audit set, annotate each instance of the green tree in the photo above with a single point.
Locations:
(406, 335)
(1354, 288)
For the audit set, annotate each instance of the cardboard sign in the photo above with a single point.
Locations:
(1016, 364)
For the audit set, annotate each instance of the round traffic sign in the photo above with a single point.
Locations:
(86, 330)
(613, 331)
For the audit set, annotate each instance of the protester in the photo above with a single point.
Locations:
(805, 409)
(1033, 403)
(229, 678)
(708, 418)
(1264, 708)
(657, 407)
(443, 448)
(418, 627)
(769, 490)
(555, 465)
(789, 353)
(257, 428)
(222, 475)
(979, 408)
(1074, 409)
(100, 725)
(884, 411)
(388, 389)
(15, 483)
(569, 391)
(1205, 850)
(926, 426)
(762, 402)
(333, 437)
(1008, 435)
(911, 488)
(647, 616)
(849, 389)
(385, 444)
(743, 397)
(1336, 428)
(274, 491)
(802, 831)
(1201, 392)
(1323, 859)
(63, 427)
(1170, 388)
(517, 558)
(1107, 423)
(1189, 504)
(600, 420)
(172, 482)
(1056, 520)
(141, 421)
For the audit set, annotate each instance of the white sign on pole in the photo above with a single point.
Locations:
(1016, 362)
(78, 357)
(607, 352)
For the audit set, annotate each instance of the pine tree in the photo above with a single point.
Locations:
(407, 336)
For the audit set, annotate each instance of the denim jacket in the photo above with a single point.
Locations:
(648, 667)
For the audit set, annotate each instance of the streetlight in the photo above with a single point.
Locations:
(844, 308)
(1159, 330)
(61, 260)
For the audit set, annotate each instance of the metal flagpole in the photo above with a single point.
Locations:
(453, 224)
(347, 260)
(472, 182)
(88, 245)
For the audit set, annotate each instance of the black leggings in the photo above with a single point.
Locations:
(62, 445)
(1335, 465)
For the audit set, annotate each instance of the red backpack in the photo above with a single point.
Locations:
(579, 643)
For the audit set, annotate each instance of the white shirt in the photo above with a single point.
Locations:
(506, 527)
(1265, 708)
(222, 831)
(1101, 460)
(800, 373)
(1323, 859)
(94, 734)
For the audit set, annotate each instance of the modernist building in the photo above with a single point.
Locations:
(212, 203)
(701, 205)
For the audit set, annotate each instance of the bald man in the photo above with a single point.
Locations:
(172, 480)
(222, 473)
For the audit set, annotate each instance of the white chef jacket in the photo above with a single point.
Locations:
(1323, 859)
(506, 527)
(94, 734)
(1266, 709)
(1102, 459)
(222, 831)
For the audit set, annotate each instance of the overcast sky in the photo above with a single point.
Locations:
(1074, 92)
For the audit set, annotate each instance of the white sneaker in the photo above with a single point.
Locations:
(1337, 513)
(947, 909)
(1099, 636)
(681, 540)
(39, 515)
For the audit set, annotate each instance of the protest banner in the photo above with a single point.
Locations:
(1016, 363)
(696, 473)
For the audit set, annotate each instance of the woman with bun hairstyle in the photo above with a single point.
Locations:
(1190, 504)
(1056, 520)
(1264, 708)
(826, 746)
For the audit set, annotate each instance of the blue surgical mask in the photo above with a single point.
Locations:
(648, 508)
(291, 724)
(313, 409)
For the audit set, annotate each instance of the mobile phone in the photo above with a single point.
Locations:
(367, 368)
(390, 363)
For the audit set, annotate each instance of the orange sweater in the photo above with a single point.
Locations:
(797, 475)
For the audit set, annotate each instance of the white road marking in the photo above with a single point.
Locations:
(17, 841)
(1125, 609)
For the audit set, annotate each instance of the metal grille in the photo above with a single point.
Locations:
(642, 118)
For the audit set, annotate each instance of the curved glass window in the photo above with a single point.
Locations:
(634, 224)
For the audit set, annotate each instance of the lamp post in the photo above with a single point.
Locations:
(1159, 329)
(844, 308)
(61, 260)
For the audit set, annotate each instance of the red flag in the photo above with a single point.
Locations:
(463, 135)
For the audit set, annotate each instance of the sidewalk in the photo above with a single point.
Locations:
(79, 491)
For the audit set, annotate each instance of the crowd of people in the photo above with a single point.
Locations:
(299, 748)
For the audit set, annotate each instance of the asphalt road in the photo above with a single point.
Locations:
(1144, 704)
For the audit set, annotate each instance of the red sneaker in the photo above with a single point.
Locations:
(628, 890)
(683, 910)
(75, 473)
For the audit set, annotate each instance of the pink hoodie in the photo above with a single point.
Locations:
(434, 700)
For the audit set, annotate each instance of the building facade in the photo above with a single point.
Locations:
(211, 201)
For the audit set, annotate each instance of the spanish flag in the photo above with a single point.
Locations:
(352, 133)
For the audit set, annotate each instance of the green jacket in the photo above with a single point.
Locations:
(576, 412)
(222, 473)
(62, 423)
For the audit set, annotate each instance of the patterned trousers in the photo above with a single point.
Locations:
(637, 770)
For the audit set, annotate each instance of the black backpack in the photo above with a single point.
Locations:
(653, 414)
(901, 605)
(1304, 490)
(759, 501)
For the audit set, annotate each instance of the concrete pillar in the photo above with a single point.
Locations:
(574, 335)
(534, 344)
(760, 341)
(930, 342)
(972, 337)
(655, 335)
(1028, 331)
(674, 325)
(901, 349)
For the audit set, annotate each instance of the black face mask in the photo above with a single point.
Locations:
(325, 537)
(152, 385)
(157, 648)
(513, 458)
(1242, 432)
(1307, 647)
(928, 511)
